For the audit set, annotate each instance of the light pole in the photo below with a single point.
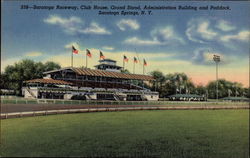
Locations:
(217, 60)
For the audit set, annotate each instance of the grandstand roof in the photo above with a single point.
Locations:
(50, 81)
(103, 73)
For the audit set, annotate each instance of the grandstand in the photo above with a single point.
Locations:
(106, 82)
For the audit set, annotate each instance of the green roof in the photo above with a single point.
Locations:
(186, 96)
(235, 98)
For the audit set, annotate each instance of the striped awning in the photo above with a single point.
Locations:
(49, 81)
(102, 73)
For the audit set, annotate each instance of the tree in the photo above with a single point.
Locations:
(225, 89)
(25, 70)
(126, 71)
(3, 81)
(201, 90)
(50, 65)
(246, 92)
(158, 84)
(172, 83)
(179, 83)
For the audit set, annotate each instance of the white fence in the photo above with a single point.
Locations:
(106, 102)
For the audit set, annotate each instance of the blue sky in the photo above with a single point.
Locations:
(170, 40)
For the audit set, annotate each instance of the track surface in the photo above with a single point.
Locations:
(10, 108)
(7, 108)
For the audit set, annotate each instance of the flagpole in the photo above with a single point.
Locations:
(86, 60)
(134, 68)
(143, 74)
(123, 65)
(83, 61)
(71, 59)
(143, 68)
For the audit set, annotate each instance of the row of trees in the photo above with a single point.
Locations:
(14, 75)
(180, 83)
(177, 83)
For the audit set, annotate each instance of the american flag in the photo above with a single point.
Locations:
(88, 53)
(135, 60)
(74, 50)
(125, 58)
(101, 55)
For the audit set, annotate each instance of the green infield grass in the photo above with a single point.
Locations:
(167, 134)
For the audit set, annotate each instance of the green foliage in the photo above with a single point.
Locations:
(166, 134)
(180, 83)
(126, 71)
(159, 83)
(172, 83)
(26, 69)
(50, 65)
(225, 89)
(201, 90)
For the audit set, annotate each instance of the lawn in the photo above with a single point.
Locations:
(168, 134)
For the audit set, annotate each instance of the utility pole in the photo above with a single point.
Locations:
(217, 60)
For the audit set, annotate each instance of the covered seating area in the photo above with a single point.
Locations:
(236, 99)
(186, 97)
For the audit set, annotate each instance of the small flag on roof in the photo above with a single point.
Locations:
(88, 53)
(101, 55)
(74, 50)
(125, 58)
(135, 60)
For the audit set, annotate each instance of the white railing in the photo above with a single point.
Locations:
(108, 102)
(30, 92)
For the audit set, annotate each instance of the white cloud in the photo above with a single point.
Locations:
(137, 41)
(94, 28)
(70, 25)
(108, 48)
(189, 33)
(69, 46)
(202, 56)
(128, 23)
(76, 45)
(241, 36)
(73, 25)
(205, 32)
(33, 54)
(159, 36)
(225, 26)
(167, 35)
(65, 22)
(198, 30)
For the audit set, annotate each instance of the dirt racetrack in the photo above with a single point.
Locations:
(10, 108)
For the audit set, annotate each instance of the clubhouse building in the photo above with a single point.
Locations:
(105, 82)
